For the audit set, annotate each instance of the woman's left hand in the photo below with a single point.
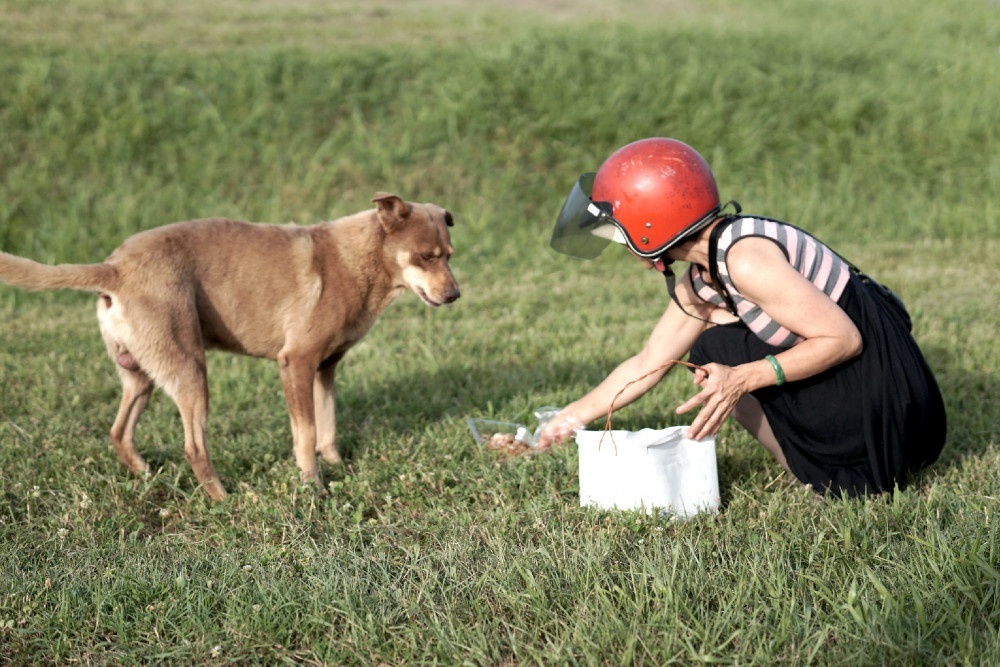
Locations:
(721, 390)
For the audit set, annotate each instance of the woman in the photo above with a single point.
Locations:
(811, 356)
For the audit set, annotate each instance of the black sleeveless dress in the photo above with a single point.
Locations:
(863, 426)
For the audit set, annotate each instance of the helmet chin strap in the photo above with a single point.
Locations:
(663, 263)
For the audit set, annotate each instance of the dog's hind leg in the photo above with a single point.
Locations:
(136, 385)
(176, 361)
(297, 377)
(159, 341)
(136, 389)
(189, 389)
(326, 415)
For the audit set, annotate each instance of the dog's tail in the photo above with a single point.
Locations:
(31, 275)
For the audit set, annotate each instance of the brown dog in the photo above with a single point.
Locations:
(301, 295)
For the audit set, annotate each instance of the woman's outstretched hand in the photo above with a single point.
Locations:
(721, 390)
(558, 429)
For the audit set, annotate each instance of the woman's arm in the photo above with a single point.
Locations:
(671, 338)
(759, 269)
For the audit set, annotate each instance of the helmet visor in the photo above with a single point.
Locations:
(584, 227)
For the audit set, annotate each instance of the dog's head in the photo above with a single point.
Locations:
(417, 247)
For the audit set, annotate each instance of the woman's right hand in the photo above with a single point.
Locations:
(560, 427)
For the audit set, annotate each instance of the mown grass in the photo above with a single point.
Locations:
(874, 125)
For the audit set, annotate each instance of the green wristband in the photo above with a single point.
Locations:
(777, 369)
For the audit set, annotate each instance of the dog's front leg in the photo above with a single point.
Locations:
(326, 413)
(297, 375)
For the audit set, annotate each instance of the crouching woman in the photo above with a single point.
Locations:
(815, 359)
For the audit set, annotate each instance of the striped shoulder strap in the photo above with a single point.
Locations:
(713, 264)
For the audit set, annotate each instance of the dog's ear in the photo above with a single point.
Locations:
(392, 210)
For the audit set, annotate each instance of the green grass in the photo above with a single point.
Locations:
(874, 124)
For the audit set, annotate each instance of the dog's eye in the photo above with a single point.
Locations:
(428, 257)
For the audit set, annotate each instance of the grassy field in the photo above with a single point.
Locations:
(876, 125)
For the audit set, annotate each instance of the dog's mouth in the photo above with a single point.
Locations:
(426, 299)
(448, 296)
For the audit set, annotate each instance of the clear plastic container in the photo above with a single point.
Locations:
(482, 429)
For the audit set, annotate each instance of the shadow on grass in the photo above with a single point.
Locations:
(410, 403)
(972, 401)
(406, 405)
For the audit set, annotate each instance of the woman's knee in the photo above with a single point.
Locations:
(750, 415)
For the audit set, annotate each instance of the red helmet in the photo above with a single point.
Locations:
(650, 194)
(660, 191)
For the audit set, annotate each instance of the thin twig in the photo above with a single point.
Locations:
(17, 428)
(611, 408)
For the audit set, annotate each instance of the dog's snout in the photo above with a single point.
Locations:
(452, 295)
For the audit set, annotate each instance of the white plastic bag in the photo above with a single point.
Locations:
(648, 469)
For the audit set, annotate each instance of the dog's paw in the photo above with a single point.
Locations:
(330, 455)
